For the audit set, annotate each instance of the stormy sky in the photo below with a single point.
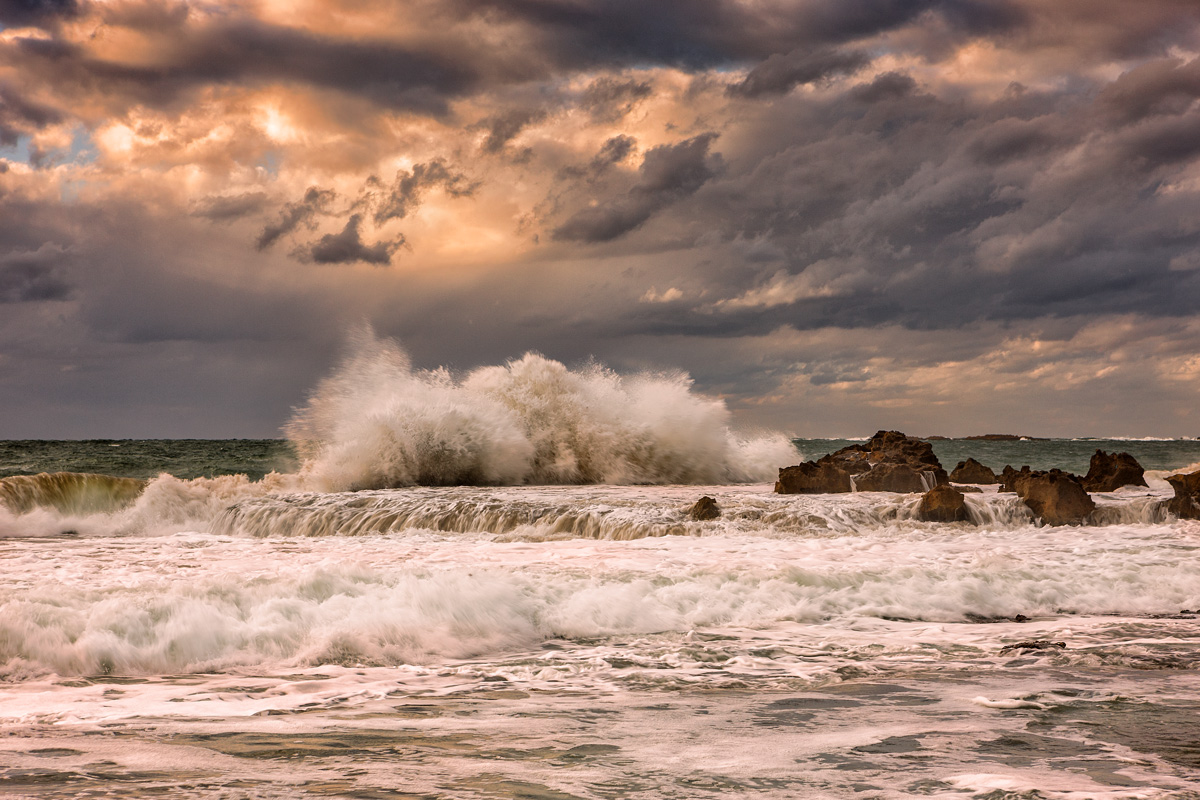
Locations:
(942, 216)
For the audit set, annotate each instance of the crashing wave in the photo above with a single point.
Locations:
(378, 423)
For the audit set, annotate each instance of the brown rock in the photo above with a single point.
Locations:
(1186, 502)
(706, 508)
(891, 478)
(812, 477)
(1107, 473)
(1010, 477)
(888, 462)
(943, 504)
(971, 471)
(1055, 497)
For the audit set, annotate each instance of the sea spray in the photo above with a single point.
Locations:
(378, 423)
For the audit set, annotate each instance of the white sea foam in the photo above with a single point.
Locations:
(210, 602)
(377, 423)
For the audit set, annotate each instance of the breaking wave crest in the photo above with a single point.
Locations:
(68, 492)
(378, 423)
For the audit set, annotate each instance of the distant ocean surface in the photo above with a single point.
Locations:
(232, 631)
(196, 458)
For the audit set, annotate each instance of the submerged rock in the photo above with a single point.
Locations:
(706, 508)
(1107, 473)
(1186, 502)
(888, 462)
(943, 504)
(971, 471)
(1054, 497)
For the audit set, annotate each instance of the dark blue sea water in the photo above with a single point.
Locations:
(147, 458)
(196, 458)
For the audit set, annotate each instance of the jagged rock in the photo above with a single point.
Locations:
(1055, 497)
(969, 489)
(971, 471)
(888, 462)
(812, 477)
(1186, 502)
(706, 508)
(892, 478)
(943, 504)
(1009, 477)
(1107, 473)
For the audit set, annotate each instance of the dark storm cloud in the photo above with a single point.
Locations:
(504, 128)
(703, 33)
(609, 99)
(782, 73)
(885, 204)
(19, 116)
(27, 277)
(888, 86)
(197, 50)
(614, 151)
(226, 208)
(316, 202)
(347, 247)
(668, 174)
(36, 12)
(1162, 86)
(243, 50)
(409, 186)
(784, 44)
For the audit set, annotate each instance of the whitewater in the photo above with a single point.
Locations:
(359, 623)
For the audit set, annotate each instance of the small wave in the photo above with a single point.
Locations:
(1161, 474)
(69, 492)
(378, 423)
(592, 513)
(1132, 439)
(68, 504)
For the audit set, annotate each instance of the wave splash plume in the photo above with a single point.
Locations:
(377, 423)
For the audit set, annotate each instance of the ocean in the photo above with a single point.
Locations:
(228, 634)
(489, 586)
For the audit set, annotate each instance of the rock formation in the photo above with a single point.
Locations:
(971, 471)
(706, 508)
(1055, 497)
(1107, 473)
(943, 504)
(888, 462)
(1009, 478)
(813, 477)
(1186, 502)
